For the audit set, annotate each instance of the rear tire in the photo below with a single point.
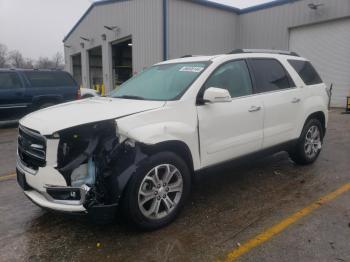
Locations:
(157, 191)
(309, 144)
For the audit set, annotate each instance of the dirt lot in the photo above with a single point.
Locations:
(228, 209)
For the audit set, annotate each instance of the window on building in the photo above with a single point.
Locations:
(306, 71)
(9, 80)
(233, 76)
(270, 75)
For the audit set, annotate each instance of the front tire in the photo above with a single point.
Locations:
(309, 144)
(157, 192)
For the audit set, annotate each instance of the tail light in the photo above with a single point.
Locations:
(78, 94)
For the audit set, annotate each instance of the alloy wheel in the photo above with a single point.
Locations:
(313, 142)
(160, 191)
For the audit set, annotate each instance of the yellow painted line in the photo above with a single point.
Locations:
(278, 228)
(4, 178)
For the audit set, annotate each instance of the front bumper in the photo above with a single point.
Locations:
(35, 186)
(40, 200)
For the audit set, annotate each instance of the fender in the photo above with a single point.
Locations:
(153, 134)
(312, 105)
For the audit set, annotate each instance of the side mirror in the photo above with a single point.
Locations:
(216, 95)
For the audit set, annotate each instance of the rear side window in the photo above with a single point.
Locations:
(9, 80)
(49, 79)
(306, 71)
(270, 75)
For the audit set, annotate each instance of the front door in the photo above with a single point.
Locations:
(230, 129)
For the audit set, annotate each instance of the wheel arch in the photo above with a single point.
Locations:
(178, 147)
(319, 115)
(144, 151)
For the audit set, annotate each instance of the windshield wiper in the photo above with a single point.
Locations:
(131, 97)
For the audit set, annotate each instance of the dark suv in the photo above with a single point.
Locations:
(23, 91)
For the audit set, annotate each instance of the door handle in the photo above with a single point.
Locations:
(254, 109)
(295, 100)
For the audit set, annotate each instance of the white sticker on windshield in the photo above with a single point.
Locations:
(193, 69)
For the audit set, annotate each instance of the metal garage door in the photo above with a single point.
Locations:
(327, 45)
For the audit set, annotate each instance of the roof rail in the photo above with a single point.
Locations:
(267, 51)
(186, 56)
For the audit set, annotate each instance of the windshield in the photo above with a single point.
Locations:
(162, 82)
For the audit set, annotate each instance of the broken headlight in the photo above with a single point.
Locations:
(117, 132)
(123, 138)
(130, 142)
(84, 174)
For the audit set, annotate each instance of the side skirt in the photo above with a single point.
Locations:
(287, 146)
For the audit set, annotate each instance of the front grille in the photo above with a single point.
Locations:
(31, 148)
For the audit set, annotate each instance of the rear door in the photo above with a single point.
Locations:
(13, 102)
(281, 98)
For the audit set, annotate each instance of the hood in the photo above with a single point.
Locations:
(62, 116)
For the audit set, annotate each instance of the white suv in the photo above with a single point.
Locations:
(140, 147)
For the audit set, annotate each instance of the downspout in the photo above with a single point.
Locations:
(165, 30)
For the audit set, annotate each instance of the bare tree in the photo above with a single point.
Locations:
(16, 59)
(28, 63)
(3, 56)
(58, 60)
(44, 63)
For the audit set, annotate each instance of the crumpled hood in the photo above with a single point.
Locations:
(62, 116)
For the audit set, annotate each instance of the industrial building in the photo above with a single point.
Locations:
(115, 39)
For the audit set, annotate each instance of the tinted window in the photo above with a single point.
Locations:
(49, 79)
(270, 75)
(9, 80)
(306, 71)
(233, 76)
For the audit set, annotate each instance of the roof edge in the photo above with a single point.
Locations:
(217, 5)
(97, 3)
(201, 2)
(265, 6)
(104, 2)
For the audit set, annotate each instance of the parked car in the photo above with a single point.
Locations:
(23, 91)
(141, 147)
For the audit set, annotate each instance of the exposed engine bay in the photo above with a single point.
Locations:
(92, 157)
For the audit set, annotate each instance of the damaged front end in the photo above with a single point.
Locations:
(96, 164)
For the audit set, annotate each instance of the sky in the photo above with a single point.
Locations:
(37, 27)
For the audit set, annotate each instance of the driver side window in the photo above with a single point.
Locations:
(232, 76)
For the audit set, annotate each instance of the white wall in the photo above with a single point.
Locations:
(192, 29)
(269, 28)
(327, 46)
(141, 19)
(197, 29)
